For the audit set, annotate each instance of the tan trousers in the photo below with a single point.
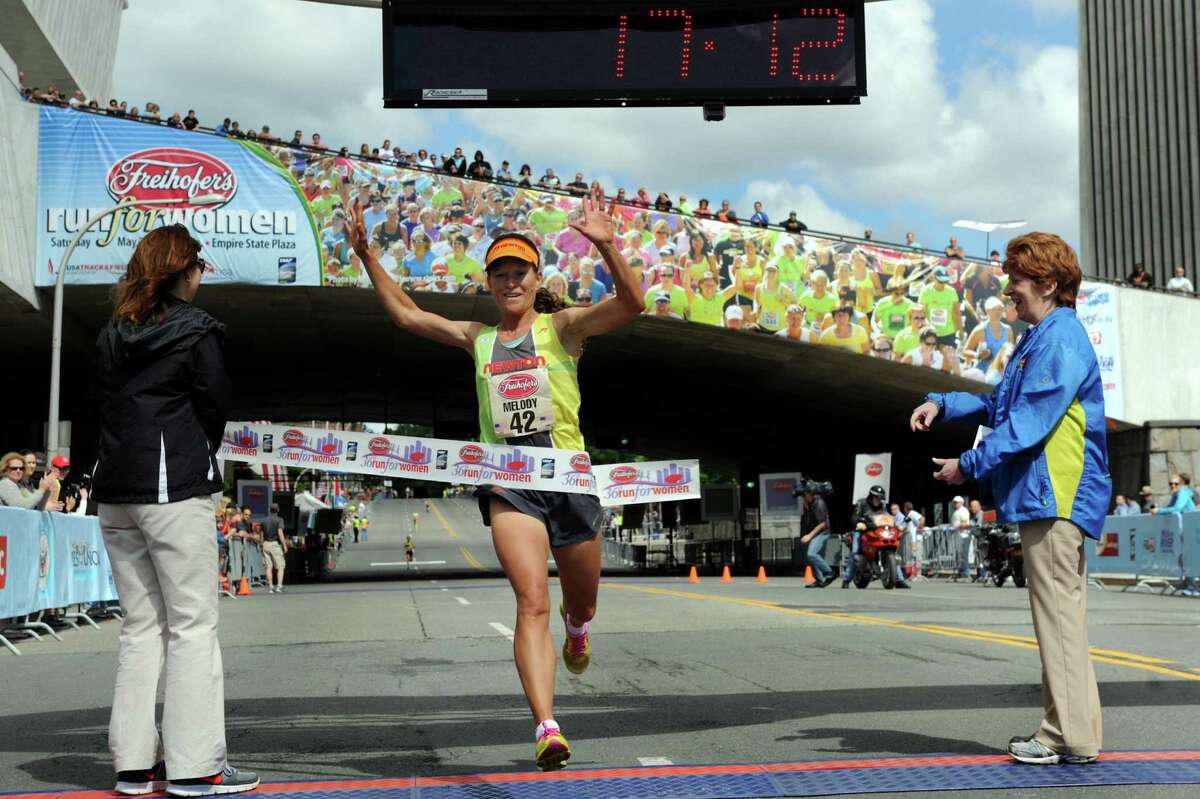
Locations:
(164, 560)
(1057, 572)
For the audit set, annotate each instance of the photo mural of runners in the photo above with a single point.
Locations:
(281, 221)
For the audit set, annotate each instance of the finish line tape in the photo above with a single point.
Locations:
(461, 463)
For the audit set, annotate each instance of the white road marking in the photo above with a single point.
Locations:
(445, 589)
(655, 761)
(413, 563)
(462, 601)
(500, 628)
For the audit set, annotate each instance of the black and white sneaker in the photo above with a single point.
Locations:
(227, 780)
(139, 783)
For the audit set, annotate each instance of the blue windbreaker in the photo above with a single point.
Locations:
(1048, 455)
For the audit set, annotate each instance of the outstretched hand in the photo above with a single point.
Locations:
(356, 229)
(948, 471)
(596, 222)
(923, 416)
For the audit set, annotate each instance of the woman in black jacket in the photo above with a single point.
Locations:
(163, 395)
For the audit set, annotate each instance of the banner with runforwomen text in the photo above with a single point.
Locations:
(461, 462)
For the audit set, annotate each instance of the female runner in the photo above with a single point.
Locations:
(527, 525)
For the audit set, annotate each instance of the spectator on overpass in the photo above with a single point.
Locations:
(1046, 461)
(1180, 282)
(1140, 278)
(759, 218)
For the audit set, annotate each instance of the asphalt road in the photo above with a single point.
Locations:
(390, 670)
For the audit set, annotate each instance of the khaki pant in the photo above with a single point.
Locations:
(273, 557)
(1057, 572)
(164, 560)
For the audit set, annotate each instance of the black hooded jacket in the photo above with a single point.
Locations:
(163, 395)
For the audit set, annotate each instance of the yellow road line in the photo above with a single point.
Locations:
(445, 522)
(471, 559)
(1113, 657)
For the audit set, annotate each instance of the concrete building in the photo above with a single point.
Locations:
(1139, 133)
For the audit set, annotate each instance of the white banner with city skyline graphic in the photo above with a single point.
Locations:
(461, 462)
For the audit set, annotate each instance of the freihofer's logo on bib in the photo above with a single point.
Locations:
(521, 402)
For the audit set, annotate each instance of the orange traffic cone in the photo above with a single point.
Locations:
(244, 587)
(693, 577)
(725, 578)
(808, 575)
(762, 574)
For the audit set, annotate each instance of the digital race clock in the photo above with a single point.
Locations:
(556, 53)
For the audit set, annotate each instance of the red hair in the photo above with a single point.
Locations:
(159, 258)
(1045, 258)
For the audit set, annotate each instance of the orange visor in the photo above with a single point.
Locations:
(512, 247)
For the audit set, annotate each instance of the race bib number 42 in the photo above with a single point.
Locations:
(521, 403)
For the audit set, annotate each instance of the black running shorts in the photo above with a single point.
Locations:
(568, 518)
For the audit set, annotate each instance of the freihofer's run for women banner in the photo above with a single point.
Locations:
(262, 231)
(461, 463)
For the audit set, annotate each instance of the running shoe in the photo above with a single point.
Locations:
(137, 783)
(1035, 753)
(227, 780)
(577, 649)
(553, 751)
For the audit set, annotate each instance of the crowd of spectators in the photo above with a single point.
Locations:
(28, 483)
(1179, 282)
(432, 216)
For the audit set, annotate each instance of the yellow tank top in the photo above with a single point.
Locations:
(707, 312)
(540, 349)
(771, 309)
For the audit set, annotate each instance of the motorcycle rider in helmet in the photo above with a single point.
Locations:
(865, 511)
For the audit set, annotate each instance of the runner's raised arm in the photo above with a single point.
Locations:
(399, 306)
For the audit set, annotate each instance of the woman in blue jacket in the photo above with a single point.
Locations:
(1045, 462)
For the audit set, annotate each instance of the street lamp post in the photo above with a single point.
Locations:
(59, 284)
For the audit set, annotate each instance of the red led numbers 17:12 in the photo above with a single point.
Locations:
(688, 25)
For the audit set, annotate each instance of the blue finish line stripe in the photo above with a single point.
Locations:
(809, 778)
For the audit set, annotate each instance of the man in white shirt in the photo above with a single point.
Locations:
(960, 521)
(1180, 282)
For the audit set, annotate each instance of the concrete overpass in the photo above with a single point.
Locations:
(742, 403)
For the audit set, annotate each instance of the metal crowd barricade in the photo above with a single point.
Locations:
(942, 551)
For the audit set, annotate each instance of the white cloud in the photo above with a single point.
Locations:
(1005, 146)
(784, 196)
(280, 62)
(1055, 6)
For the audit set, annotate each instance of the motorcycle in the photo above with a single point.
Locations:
(878, 551)
(1004, 557)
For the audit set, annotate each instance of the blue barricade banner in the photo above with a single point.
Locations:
(1191, 544)
(79, 561)
(1147, 545)
(24, 561)
(51, 560)
(262, 230)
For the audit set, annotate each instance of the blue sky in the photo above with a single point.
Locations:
(972, 113)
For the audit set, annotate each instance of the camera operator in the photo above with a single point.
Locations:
(816, 522)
